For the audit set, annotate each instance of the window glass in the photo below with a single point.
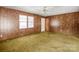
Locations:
(22, 21)
(30, 22)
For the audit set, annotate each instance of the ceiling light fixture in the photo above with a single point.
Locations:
(45, 9)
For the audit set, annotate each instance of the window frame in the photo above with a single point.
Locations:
(30, 22)
(21, 21)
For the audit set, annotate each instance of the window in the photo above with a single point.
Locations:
(30, 22)
(22, 21)
(26, 22)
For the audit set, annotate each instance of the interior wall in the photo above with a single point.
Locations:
(68, 23)
(0, 23)
(9, 26)
(47, 23)
(9, 23)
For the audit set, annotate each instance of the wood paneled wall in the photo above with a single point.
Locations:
(47, 24)
(68, 23)
(9, 23)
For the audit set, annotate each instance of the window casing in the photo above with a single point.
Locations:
(26, 21)
(30, 22)
(22, 21)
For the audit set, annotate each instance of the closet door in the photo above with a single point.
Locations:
(42, 24)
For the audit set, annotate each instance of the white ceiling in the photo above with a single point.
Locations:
(50, 10)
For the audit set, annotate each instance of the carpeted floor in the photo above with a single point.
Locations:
(42, 42)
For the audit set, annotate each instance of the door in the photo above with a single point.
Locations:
(42, 24)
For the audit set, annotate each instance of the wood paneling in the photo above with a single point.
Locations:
(0, 23)
(37, 24)
(69, 23)
(47, 22)
(10, 23)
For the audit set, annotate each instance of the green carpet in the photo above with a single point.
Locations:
(41, 42)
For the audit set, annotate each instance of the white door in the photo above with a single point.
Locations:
(42, 24)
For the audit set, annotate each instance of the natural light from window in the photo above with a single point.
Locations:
(22, 21)
(30, 21)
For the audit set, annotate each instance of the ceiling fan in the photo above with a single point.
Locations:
(45, 9)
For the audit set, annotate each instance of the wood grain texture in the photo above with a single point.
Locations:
(0, 23)
(69, 23)
(47, 23)
(11, 18)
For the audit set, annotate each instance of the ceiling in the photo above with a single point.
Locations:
(49, 10)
